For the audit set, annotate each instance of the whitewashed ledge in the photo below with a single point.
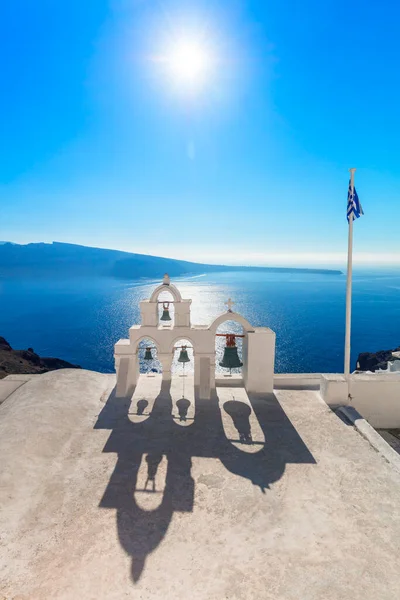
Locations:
(305, 381)
(376, 396)
(282, 381)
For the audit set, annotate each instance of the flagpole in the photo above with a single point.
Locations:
(349, 285)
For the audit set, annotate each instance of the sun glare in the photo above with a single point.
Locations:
(188, 63)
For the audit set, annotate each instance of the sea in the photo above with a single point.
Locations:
(80, 319)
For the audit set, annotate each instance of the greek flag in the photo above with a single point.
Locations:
(354, 207)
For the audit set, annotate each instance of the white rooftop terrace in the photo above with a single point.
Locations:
(308, 510)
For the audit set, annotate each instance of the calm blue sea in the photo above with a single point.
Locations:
(79, 320)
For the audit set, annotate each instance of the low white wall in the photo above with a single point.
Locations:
(306, 381)
(333, 389)
(376, 396)
(377, 399)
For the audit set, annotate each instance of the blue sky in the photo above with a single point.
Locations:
(101, 146)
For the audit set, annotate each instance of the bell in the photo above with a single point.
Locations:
(231, 358)
(183, 356)
(165, 316)
(148, 355)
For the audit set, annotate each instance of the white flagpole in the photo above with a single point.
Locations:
(349, 286)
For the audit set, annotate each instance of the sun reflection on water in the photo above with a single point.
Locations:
(80, 320)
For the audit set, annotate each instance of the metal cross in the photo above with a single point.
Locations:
(230, 304)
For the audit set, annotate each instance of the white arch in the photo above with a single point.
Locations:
(146, 337)
(181, 337)
(166, 288)
(230, 316)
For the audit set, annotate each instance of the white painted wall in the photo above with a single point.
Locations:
(260, 361)
(333, 389)
(376, 396)
(377, 399)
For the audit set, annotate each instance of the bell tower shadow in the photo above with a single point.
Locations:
(240, 413)
(159, 443)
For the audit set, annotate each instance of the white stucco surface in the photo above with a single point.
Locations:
(315, 513)
(376, 396)
(8, 386)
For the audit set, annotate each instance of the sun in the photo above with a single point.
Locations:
(188, 62)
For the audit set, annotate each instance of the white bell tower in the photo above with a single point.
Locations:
(258, 346)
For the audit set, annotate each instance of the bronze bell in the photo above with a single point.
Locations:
(165, 316)
(148, 355)
(231, 358)
(183, 356)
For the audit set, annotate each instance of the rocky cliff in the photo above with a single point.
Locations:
(371, 361)
(27, 361)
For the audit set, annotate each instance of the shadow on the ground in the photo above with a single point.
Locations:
(141, 406)
(240, 415)
(141, 531)
(183, 407)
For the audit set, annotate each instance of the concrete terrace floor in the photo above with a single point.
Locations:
(308, 510)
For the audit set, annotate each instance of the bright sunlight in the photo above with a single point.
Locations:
(188, 63)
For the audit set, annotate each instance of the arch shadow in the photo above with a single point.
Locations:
(141, 531)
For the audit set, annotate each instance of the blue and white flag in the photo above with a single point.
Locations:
(354, 207)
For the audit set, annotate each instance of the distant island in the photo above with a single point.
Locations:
(60, 259)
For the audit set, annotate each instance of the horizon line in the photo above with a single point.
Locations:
(309, 260)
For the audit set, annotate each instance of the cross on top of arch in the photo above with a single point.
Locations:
(229, 303)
